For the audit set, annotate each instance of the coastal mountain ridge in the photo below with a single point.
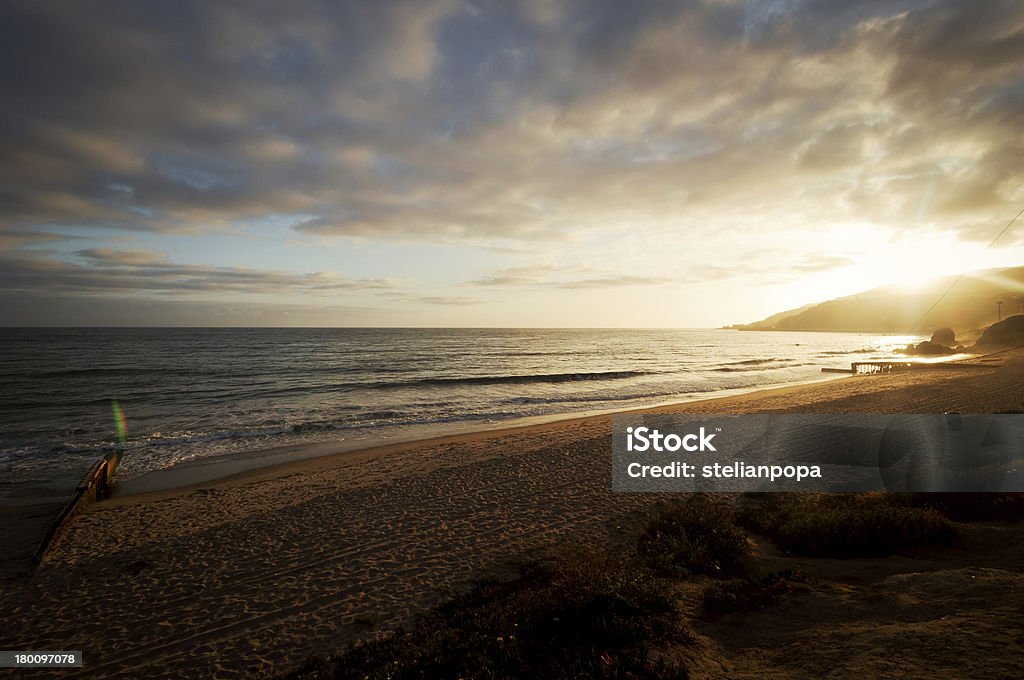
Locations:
(969, 306)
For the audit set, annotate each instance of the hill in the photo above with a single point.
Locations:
(1007, 333)
(969, 307)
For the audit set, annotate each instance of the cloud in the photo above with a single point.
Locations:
(111, 271)
(515, 276)
(612, 282)
(48, 309)
(818, 263)
(553, 277)
(15, 238)
(194, 117)
(752, 266)
(512, 127)
(448, 300)
(112, 257)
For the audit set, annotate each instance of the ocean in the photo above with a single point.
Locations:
(193, 393)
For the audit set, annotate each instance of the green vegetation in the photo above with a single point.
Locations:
(698, 535)
(846, 525)
(598, 616)
(584, 617)
(969, 507)
(741, 595)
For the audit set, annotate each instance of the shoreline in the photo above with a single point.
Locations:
(201, 440)
(230, 469)
(252, 574)
(29, 519)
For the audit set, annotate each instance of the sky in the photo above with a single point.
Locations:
(540, 163)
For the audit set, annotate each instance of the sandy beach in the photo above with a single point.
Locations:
(500, 340)
(253, 573)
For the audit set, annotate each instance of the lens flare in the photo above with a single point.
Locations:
(119, 421)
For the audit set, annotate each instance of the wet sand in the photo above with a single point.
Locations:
(252, 573)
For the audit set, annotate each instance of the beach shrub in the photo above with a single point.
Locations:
(697, 535)
(587, 617)
(846, 525)
(968, 507)
(759, 592)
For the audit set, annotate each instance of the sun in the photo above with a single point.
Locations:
(884, 257)
(914, 264)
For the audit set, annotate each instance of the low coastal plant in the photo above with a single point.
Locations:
(697, 535)
(758, 592)
(586, 616)
(968, 507)
(846, 525)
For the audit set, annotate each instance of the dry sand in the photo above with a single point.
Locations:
(254, 573)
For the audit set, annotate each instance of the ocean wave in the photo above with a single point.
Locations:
(315, 426)
(112, 371)
(609, 398)
(738, 369)
(208, 393)
(515, 379)
(755, 362)
(862, 350)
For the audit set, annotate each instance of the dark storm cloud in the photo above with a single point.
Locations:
(490, 121)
